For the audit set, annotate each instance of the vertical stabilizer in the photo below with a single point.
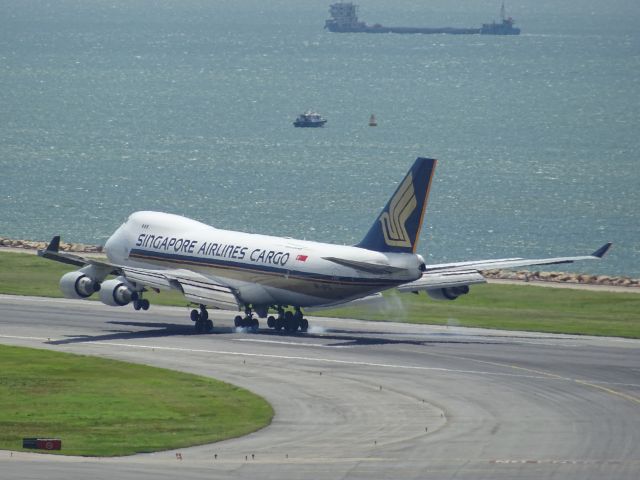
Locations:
(398, 226)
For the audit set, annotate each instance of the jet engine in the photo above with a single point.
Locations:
(78, 285)
(117, 292)
(450, 293)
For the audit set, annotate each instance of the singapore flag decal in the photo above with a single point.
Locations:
(302, 258)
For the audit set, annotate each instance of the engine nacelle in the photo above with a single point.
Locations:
(450, 293)
(78, 285)
(117, 292)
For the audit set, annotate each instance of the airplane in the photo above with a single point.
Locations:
(223, 269)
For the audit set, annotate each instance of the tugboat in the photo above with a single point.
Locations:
(309, 119)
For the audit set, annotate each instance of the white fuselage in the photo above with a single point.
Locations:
(263, 270)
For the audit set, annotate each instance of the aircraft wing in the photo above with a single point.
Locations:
(460, 274)
(195, 287)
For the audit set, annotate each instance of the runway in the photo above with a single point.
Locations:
(363, 400)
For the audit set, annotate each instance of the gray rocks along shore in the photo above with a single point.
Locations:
(562, 277)
(66, 247)
(521, 275)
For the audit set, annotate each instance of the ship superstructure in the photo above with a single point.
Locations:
(505, 27)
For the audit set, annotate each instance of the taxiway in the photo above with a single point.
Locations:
(363, 400)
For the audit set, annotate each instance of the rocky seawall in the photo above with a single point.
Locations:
(562, 277)
(520, 275)
(65, 247)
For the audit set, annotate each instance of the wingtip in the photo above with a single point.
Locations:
(54, 244)
(602, 250)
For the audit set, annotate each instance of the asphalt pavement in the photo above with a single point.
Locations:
(363, 400)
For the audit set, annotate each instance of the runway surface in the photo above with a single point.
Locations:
(363, 400)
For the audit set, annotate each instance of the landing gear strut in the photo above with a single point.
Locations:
(139, 302)
(201, 319)
(248, 321)
(290, 321)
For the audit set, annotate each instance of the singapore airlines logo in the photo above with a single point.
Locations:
(401, 207)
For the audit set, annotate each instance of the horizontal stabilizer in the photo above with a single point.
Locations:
(431, 281)
(367, 267)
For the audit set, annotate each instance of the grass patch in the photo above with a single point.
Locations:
(515, 307)
(28, 274)
(510, 307)
(102, 407)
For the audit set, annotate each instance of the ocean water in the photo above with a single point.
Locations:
(112, 106)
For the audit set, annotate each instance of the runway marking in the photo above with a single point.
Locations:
(314, 359)
(18, 337)
(282, 342)
(626, 396)
(559, 462)
(555, 376)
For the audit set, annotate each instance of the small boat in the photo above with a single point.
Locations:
(309, 119)
(372, 121)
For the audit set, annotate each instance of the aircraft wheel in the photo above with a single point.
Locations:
(237, 321)
(304, 325)
(209, 326)
(290, 323)
(271, 321)
(255, 325)
(195, 315)
(136, 305)
(144, 304)
(279, 324)
(200, 326)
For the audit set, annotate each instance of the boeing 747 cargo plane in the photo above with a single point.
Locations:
(222, 269)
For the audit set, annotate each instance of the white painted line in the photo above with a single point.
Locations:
(282, 342)
(25, 338)
(321, 360)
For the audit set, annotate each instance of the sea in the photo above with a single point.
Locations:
(186, 106)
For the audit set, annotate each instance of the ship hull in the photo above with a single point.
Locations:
(401, 30)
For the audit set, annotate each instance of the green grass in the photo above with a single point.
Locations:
(28, 274)
(513, 307)
(104, 407)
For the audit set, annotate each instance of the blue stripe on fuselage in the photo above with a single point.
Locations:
(141, 254)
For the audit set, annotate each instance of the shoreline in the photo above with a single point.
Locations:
(519, 277)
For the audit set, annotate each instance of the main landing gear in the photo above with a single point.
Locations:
(138, 302)
(247, 321)
(289, 321)
(201, 319)
(141, 304)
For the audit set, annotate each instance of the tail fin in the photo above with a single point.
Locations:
(398, 226)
